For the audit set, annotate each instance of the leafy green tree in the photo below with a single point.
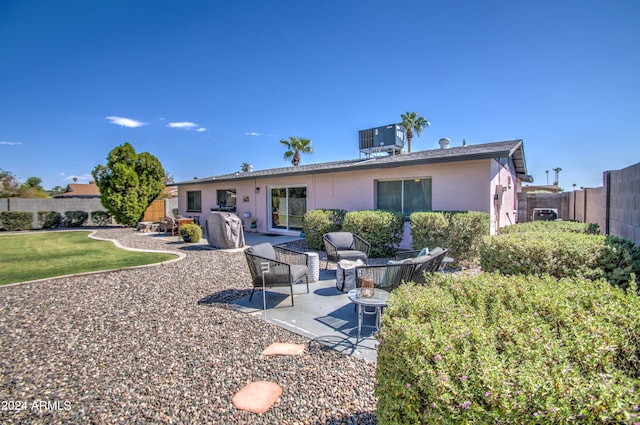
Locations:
(129, 183)
(32, 188)
(295, 146)
(57, 190)
(411, 122)
(9, 185)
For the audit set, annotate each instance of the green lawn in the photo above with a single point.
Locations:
(41, 255)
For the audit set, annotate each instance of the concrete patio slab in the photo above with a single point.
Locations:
(324, 315)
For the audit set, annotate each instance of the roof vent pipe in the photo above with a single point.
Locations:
(444, 143)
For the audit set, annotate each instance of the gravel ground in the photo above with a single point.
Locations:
(161, 345)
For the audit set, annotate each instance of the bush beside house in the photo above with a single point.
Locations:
(518, 349)
(382, 229)
(318, 222)
(461, 232)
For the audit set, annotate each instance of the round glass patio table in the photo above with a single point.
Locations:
(378, 300)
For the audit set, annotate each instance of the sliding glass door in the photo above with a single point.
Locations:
(287, 205)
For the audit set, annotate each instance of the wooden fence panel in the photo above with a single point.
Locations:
(155, 211)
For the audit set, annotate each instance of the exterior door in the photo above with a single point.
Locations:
(287, 205)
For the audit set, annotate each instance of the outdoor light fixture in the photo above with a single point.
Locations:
(257, 189)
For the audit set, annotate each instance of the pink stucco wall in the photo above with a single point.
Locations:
(504, 207)
(465, 185)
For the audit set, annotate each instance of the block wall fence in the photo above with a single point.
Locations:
(615, 206)
(62, 205)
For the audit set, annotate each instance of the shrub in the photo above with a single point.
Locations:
(75, 218)
(551, 226)
(464, 235)
(49, 219)
(16, 220)
(558, 254)
(100, 218)
(461, 232)
(622, 264)
(192, 231)
(562, 254)
(428, 229)
(497, 349)
(382, 229)
(318, 222)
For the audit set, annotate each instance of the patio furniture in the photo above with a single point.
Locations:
(345, 246)
(385, 276)
(182, 221)
(377, 301)
(168, 225)
(428, 263)
(285, 266)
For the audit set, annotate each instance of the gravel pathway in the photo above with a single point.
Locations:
(161, 345)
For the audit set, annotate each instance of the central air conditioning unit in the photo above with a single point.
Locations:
(388, 140)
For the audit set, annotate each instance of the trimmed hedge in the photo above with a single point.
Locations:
(382, 229)
(16, 220)
(558, 254)
(551, 226)
(75, 218)
(316, 223)
(100, 218)
(461, 232)
(519, 349)
(49, 219)
(562, 254)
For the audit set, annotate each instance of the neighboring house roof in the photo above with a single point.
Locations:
(549, 188)
(496, 150)
(80, 190)
(171, 191)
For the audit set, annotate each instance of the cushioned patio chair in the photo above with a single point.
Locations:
(286, 267)
(385, 276)
(424, 264)
(345, 246)
(169, 225)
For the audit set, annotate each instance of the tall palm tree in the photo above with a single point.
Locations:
(557, 171)
(245, 167)
(295, 146)
(411, 122)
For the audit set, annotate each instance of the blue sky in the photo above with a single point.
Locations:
(208, 85)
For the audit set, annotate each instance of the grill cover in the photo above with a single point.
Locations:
(224, 230)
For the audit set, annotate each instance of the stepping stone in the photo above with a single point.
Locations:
(257, 397)
(282, 349)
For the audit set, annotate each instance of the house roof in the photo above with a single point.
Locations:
(549, 188)
(85, 190)
(495, 150)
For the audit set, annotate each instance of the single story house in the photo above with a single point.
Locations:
(80, 190)
(483, 177)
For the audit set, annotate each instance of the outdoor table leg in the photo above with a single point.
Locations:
(359, 321)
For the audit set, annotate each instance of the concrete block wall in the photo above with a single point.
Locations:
(60, 205)
(528, 201)
(615, 207)
(624, 202)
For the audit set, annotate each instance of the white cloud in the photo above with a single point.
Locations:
(201, 130)
(86, 178)
(252, 133)
(125, 122)
(185, 125)
(10, 143)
